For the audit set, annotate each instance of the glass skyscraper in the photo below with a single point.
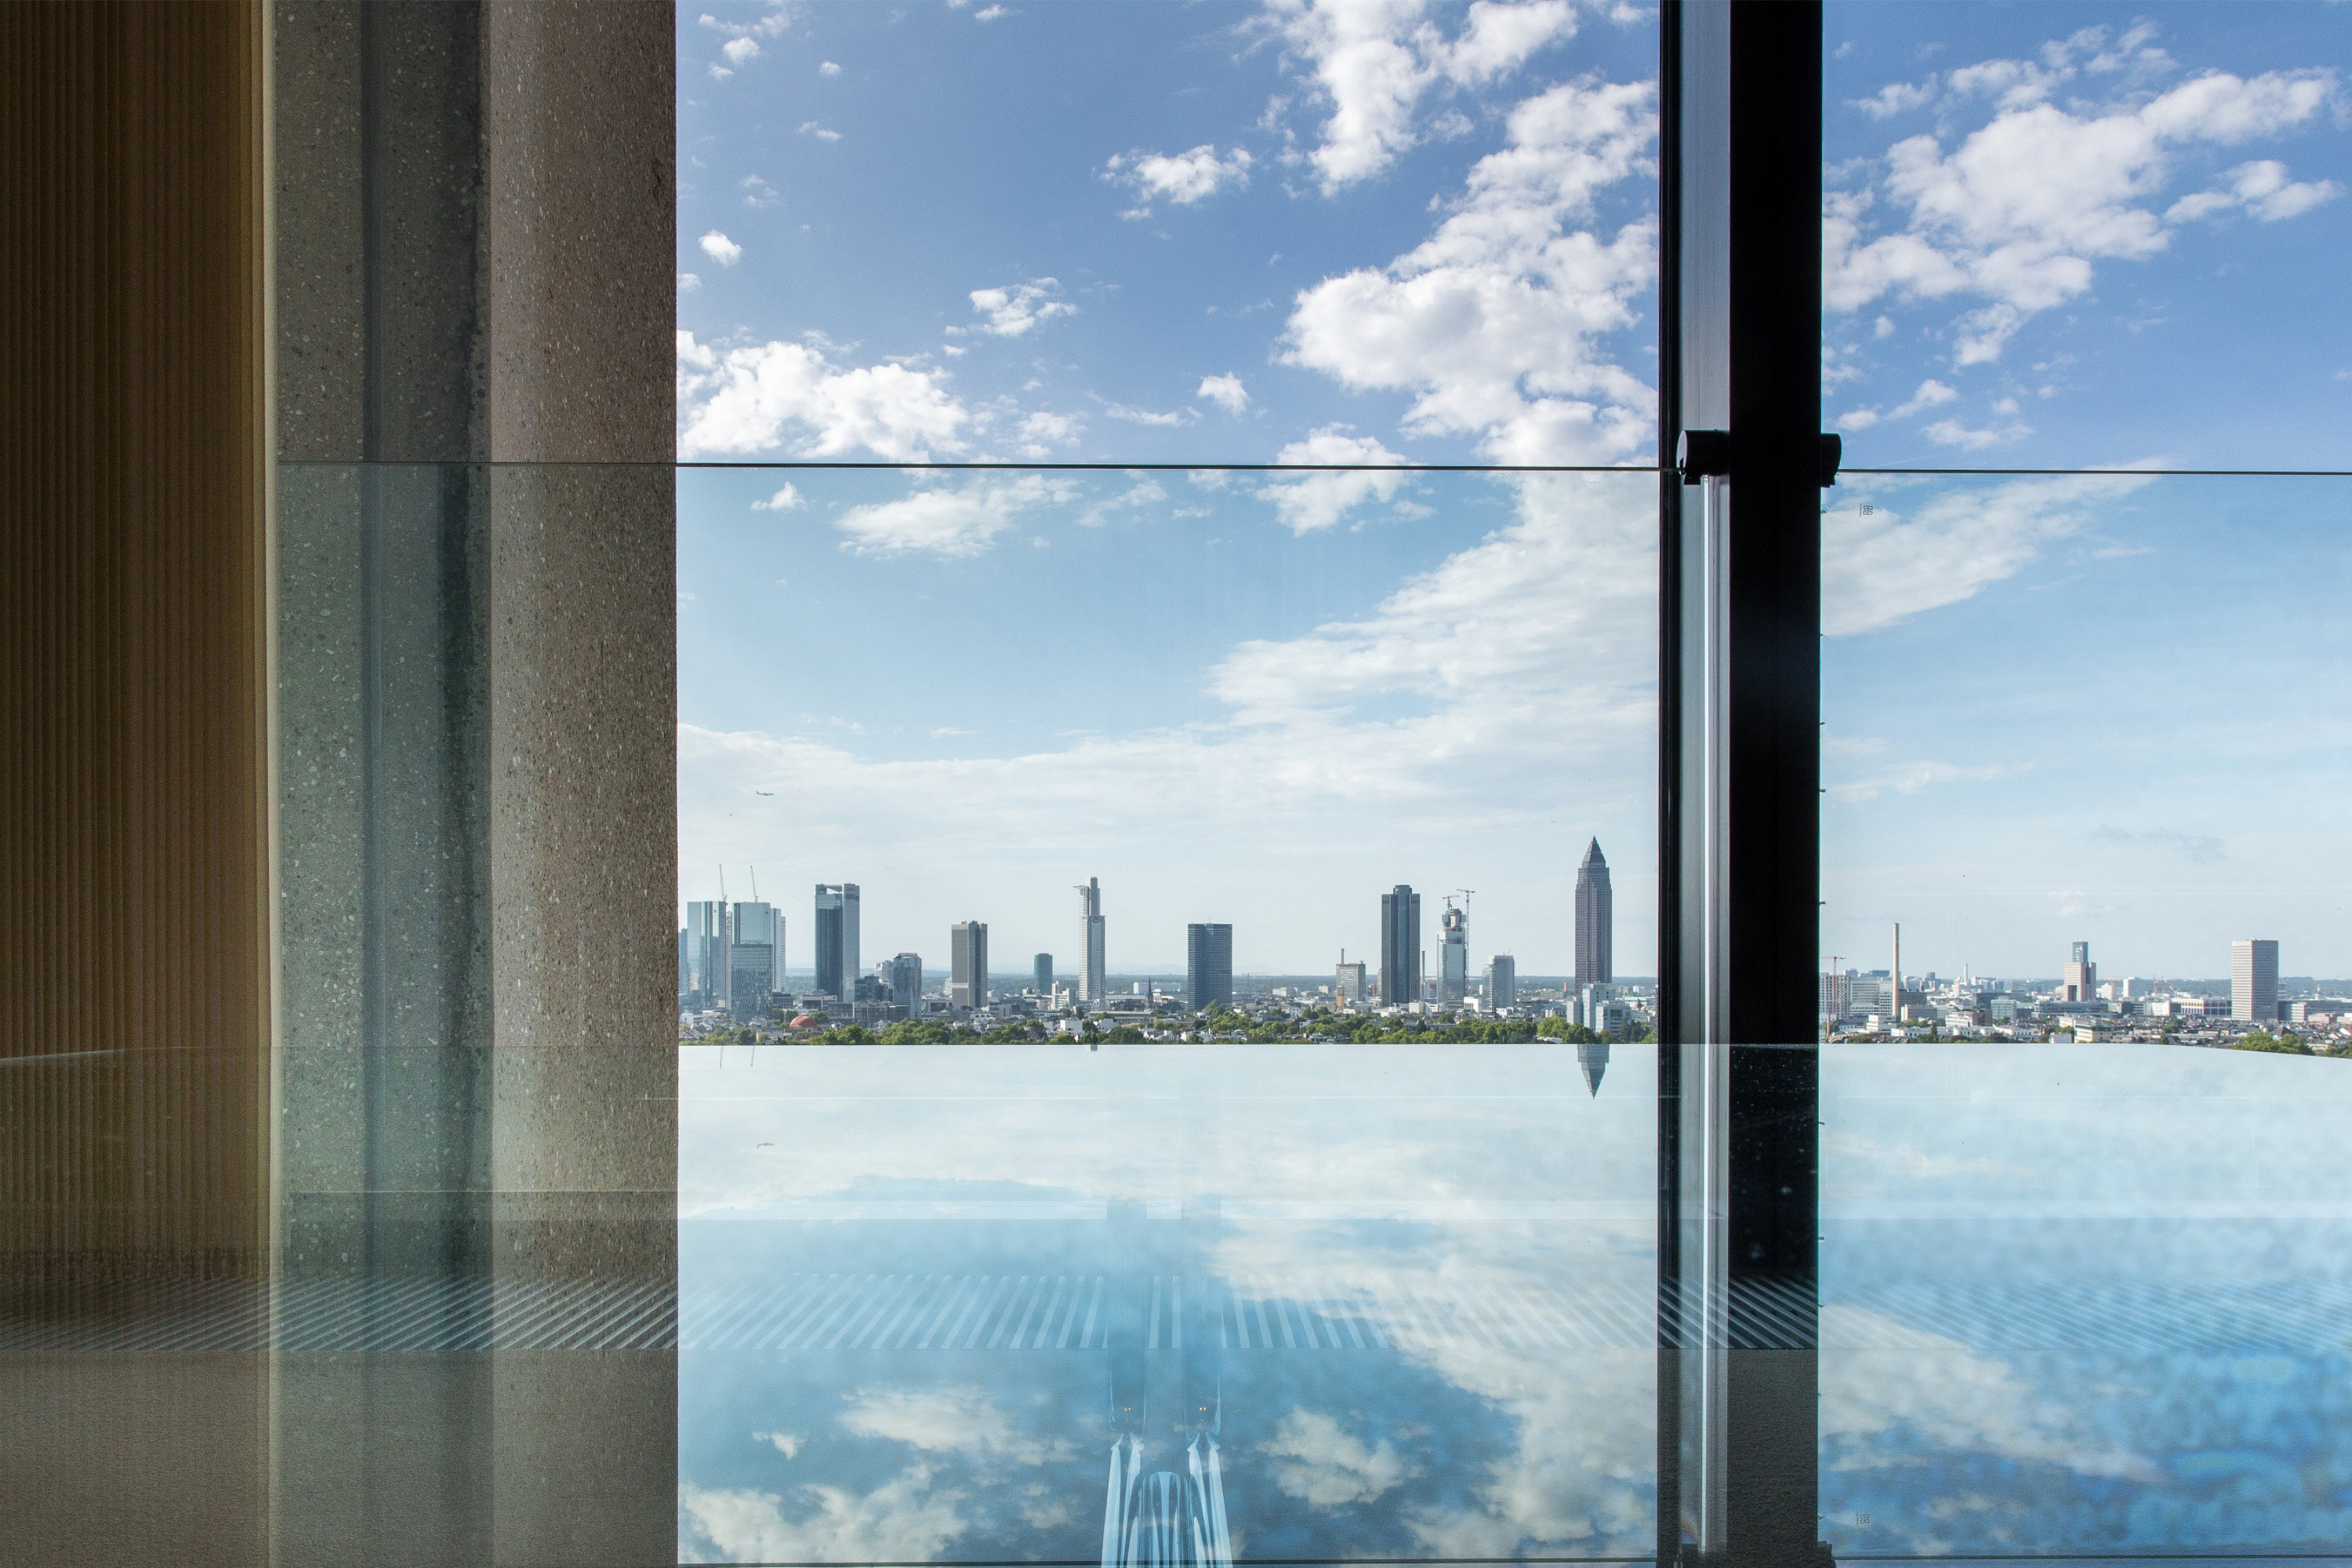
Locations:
(1400, 945)
(1093, 980)
(1594, 962)
(967, 964)
(755, 958)
(836, 938)
(1208, 966)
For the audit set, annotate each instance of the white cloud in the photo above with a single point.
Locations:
(1493, 320)
(1182, 178)
(1226, 392)
(1931, 393)
(960, 1419)
(2019, 212)
(774, 24)
(2261, 188)
(752, 398)
(902, 1521)
(739, 50)
(1373, 61)
(788, 499)
(1879, 567)
(1310, 501)
(990, 12)
(757, 192)
(1167, 419)
(827, 67)
(1887, 1374)
(1012, 311)
(1470, 689)
(1910, 778)
(788, 1443)
(812, 128)
(1041, 432)
(721, 249)
(1323, 1465)
(1897, 98)
(961, 521)
(1975, 438)
(687, 282)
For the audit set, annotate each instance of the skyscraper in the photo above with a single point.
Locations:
(836, 938)
(1093, 982)
(1593, 1056)
(968, 965)
(1595, 960)
(2083, 976)
(1208, 966)
(1452, 956)
(2253, 979)
(706, 952)
(1041, 975)
(1501, 981)
(1348, 985)
(906, 982)
(755, 958)
(1400, 946)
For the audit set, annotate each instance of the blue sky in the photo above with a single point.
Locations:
(1374, 230)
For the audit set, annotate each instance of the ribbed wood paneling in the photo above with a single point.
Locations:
(133, 917)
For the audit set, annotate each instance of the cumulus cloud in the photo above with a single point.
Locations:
(788, 499)
(827, 67)
(2017, 215)
(1319, 1462)
(815, 129)
(1310, 501)
(1042, 432)
(958, 521)
(1493, 321)
(756, 397)
(1931, 393)
(1226, 392)
(1373, 62)
(1467, 688)
(1182, 178)
(2261, 188)
(1881, 565)
(687, 282)
(1011, 312)
(961, 1419)
(902, 1521)
(721, 249)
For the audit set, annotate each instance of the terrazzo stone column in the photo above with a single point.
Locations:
(475, 265)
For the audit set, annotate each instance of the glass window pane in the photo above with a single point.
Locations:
(1087, 797)
(2066, 234)
(2083, 1168)
(1168, 232)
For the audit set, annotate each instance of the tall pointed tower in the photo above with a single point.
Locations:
(1594, 962)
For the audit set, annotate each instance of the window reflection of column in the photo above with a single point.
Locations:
(1164, 1501)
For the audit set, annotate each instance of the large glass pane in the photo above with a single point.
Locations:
(1168, 232)
(1077, 1156)
(2075, 233)
(2083, 1165)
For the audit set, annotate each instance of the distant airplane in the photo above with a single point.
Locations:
(763, 791)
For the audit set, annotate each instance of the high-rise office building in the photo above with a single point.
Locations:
(1400, 945)
(1347, 986)
(1041, 973)
(836, 939)
(1593, 1057)
(1093, 974)
(705, 944)
(755, 958)
(1501, 981)
(1208, 966)
(968, 965)
(2253, 979)
(2082, 983)
(906, 982)
(1595, 958)
(1452, 956)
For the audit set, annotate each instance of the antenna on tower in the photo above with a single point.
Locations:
(755, 884)
(722, 881)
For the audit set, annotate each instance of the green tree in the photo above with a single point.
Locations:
(847, 1035)
(2286, 1044)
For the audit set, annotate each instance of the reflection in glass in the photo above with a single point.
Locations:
(2084, 1162)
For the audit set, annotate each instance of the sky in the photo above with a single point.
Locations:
(1373, 231)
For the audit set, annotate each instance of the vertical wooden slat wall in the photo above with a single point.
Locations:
(134, 930)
